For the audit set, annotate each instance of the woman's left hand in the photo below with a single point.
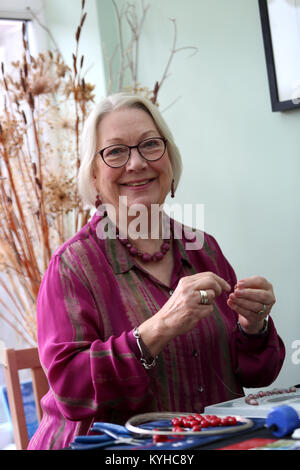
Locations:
(253, 299)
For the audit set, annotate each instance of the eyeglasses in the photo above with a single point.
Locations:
(151, 149)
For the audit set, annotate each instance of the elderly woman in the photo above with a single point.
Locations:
(129, 322)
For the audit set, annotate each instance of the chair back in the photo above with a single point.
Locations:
(13, 361)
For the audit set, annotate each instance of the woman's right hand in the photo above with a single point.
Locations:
(183, 310)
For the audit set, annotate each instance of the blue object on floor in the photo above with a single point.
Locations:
(29, 406)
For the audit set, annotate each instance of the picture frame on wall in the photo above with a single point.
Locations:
(280, 22)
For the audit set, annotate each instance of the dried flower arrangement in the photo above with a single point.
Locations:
(46, 104)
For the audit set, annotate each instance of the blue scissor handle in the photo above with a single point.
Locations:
(91, 446)
(92, 439)
(116, 428)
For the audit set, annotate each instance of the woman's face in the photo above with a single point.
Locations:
(130, 126)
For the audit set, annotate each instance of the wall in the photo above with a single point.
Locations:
(240, 160)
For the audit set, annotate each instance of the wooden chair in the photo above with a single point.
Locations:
(13, 361)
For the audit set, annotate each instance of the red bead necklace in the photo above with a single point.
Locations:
(146, 257)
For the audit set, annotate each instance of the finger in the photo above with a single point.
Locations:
(254, 282)
(251, 317)
(205, 311)
(210, 293)
(211, 281)
(255, 295)
(246, 305)
(240, 310)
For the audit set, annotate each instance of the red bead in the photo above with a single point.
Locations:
(158, 256)
(231, 420)
(146, 257)
(215, 422)
(159, 438)
(133, 251)
(176, 422)
(205, 424)
(186, 423)
(177, 429)
(165, 246)
(194, 422)
(196, 428)
(224, 421)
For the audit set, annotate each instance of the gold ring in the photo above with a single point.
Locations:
(203, 297)
(262, 311)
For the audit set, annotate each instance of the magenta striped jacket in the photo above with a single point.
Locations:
(91, 298)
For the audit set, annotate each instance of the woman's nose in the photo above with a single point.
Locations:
(136, 161)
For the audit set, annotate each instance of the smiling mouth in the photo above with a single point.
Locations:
(138, 183)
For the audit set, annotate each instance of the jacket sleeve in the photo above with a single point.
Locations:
(84, 372)
(257, 359)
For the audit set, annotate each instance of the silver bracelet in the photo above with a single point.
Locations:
(148, 361)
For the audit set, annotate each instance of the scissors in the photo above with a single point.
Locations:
(113, 434)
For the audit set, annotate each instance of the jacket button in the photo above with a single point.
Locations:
(195, 353)
(200, 389)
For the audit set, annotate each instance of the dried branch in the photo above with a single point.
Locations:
(109, 63)
(129, 54)
(174, 51)
(119, 15)
(136, 27)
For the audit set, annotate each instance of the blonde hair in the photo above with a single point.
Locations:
(111, 103)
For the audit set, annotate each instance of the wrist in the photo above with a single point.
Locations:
(259, 330)
(154, 335)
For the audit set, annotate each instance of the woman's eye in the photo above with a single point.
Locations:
(115, 151)
(150, 143)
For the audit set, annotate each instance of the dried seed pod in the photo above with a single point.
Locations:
(38, 183)
(31, 101)
(24, 117)
(77, 36)
(83, 20)
(23, 83)
(74, 63)
(5, 84)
